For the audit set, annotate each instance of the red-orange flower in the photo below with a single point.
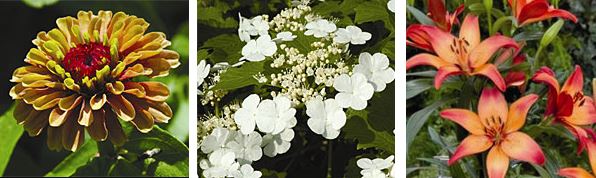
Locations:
(530, 11)
(576, 172)
(441, 18)
(568, 105)
(87, 74)
(495, 127)
(465, 54)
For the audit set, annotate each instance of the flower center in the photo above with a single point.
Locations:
(494, 129)
(85, 59)
(579, 99)
(460, 48)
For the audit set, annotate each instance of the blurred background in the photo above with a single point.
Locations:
(24, 19)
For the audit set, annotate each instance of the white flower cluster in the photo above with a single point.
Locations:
(209, 122)
(310, 68)
(374, 168)
(230, 154)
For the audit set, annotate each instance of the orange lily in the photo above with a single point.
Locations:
(576, 172)
(530, 11)
(568, 105)
(442, 19)
(465, 54)
(495, 127)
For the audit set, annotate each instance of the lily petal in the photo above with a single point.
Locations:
(445, 72)
(497, 163)
(425, 59)
(492, 73)
(470, 31)
(551, 13)
(575, 172)
(419, 38)
(467, 119)
(441, 42)
(492, 104)
(437, 12)
(518, 111)
(520, 146)
(471, 145)
(585, 114)
(547, 76)
(485, 50)
(531, 10)
(592, 154)
(575, 82)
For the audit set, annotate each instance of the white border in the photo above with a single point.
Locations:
(192, 89)
(400, 89)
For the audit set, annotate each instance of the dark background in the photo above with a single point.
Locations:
(21, 23)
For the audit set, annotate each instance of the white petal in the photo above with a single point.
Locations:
(342, 83)
(343, 100)
(380, 61)
(251, 102)
(364, 163)
(317, 125)
(249, 48)
(358, 104)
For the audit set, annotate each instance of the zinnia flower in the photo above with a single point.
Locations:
(496, 127)
(568, 105)
(442, 19)
(465, 54)
(80, 77)
(576, 172)
(530, 11)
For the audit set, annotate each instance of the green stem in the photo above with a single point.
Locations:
(536, 59)
(330, 159)
(490, 21)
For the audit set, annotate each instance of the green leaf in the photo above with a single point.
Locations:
(75, 160)
(226, 48)
(371, 11)
(420, 16)
(240, 77)
(124, 168)
(357, 128)
(99, 166)
(171, 152)
(213, 16)
(179, 125)
(38, 4)
(543, 173)
(417, 86)
(551, 33)
(180, 42)
(10, 132)
(389, 49)
(417, 120)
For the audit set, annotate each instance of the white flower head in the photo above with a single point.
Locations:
(252, 27)
(326, 118)
(374, 168)
(284, 36)
(354, 91)
(391, 5)
(217, 140)
(247, 147)
(246, 116)
(203, 71)
(319, 28)
(221, 163)
(376, 69)
(246, 171)
(257, 50)
(275, 115)
(351, 34)
(278, 143)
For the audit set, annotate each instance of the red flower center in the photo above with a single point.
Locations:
(85, 59)
(495, 129)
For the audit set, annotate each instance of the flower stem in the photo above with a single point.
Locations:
(330, 159)
(536, 61)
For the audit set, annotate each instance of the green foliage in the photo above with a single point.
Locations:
(239, 77)
(38, 4)
(75, 160)
(10, 132)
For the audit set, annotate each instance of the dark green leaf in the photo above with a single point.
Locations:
(420, 16)
(77, 159)
(417, 120)
(10, 132)
(240, 77)
(417, 86)
(38, 4)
